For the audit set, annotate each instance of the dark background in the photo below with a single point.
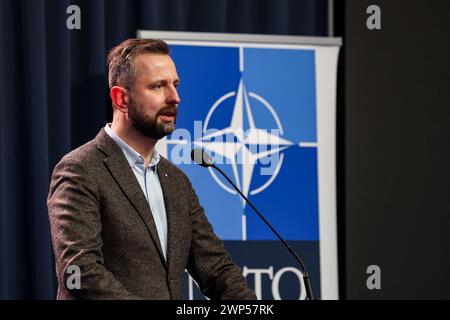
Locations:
(394, 165)
(393, 106)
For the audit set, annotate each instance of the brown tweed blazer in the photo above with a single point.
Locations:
(101, 222)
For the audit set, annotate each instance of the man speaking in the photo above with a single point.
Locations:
(123, 215)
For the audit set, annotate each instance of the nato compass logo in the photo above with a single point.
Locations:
(249, 112)
(241, 148)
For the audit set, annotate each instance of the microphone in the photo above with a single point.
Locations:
(200, 157)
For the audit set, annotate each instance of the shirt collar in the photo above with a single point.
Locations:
(133, 157)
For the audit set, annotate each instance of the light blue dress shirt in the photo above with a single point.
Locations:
(149, 182)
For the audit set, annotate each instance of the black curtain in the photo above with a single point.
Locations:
(54, 97)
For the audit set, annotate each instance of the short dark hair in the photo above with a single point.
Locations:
(121, 58)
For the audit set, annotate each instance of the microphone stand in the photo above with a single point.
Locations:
(306, 278)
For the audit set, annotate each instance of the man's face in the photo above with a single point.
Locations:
(154, 99)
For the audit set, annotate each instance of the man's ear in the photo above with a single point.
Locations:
(119, 98)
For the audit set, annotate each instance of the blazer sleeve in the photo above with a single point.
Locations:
(74, 213)
(210, 264)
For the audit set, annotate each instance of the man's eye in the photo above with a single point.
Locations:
(157, 86)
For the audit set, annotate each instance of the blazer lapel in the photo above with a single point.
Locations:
(122, 173)
(175, 223)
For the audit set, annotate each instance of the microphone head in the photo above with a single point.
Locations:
(201, 157)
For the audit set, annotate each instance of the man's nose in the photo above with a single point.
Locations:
(172, 95)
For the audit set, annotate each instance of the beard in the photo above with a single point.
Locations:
(150, 126)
